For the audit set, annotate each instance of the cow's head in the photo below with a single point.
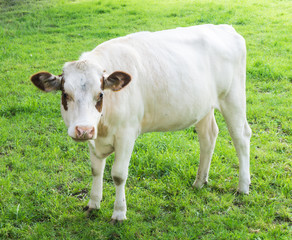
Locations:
(82, 85)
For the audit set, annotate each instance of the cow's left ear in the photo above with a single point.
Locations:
(46, 81)
(116, 81)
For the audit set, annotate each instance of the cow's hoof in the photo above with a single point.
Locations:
(85, 208)
(243, 191)
(199, 184)
(119, 216)
(244, 188)
(115, 221)
(88, 211)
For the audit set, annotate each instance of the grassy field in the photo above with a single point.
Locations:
(45, 177)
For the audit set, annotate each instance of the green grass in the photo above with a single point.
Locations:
(45, 177)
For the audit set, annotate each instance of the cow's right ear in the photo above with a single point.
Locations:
(46, 81)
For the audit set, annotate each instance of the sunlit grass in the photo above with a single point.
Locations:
(45, 177)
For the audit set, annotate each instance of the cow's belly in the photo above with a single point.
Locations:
(163, 124)
(180, 112)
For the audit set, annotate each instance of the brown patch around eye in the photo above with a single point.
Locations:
(64, 95)
(98, 105)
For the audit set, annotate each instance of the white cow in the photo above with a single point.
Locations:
(154, 81)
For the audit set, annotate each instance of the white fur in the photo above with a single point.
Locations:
(178, 78)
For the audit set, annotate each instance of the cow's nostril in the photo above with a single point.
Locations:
(91, 132)
(84, 133)
(78, 132)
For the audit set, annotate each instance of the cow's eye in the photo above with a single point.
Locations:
(100, 96)
(67, 96)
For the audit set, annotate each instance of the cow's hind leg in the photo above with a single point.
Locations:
(207, 130)
(233, 109)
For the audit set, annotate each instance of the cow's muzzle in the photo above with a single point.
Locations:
(84, 133)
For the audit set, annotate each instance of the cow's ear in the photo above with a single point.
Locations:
(46, 81)
(116, 81)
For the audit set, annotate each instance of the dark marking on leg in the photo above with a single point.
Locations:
(94, 172)
(117, 180)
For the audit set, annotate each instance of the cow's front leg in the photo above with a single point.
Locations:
(97, 167)
(123, 150)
